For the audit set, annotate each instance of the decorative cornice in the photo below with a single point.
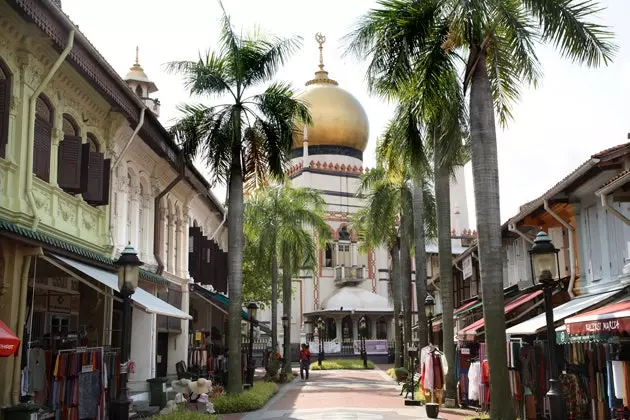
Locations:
(326, 167)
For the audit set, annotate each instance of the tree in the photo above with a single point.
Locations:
(241, 141)
(257, 276)
(419, 39)
(386, 220)
(280, 222)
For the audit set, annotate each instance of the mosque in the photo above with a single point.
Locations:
(347, 284)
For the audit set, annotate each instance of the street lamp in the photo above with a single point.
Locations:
(545, 269)
(252, 308)
(363, 331)
(128, 271)
(321, 327)
(429, 303)
(401, 323)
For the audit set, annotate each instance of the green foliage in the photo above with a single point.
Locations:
(339, 364)
(187, 415)
(251, 399)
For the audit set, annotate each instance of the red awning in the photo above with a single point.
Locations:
(9, 343)
(610, 320)
(469, 332)
(465, 306)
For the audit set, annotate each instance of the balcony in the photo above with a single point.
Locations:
(349, 275)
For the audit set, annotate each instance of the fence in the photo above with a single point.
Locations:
(260, 346)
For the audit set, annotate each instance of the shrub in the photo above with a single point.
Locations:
(336, 364)
(401, 374)
(187, 415)
(248, 400)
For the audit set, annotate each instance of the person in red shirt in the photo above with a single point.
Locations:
(305, 361)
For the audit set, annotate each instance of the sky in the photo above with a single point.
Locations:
(574, 113)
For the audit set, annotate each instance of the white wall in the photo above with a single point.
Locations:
(143, 335)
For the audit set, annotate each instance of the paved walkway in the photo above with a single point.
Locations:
(343, 395)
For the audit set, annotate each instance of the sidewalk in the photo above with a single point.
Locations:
(341, 394)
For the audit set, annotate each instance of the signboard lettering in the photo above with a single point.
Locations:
(599, 327)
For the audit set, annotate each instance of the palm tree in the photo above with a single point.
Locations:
(240, 141)
(280, 222)
(388, 193)
(495, 39)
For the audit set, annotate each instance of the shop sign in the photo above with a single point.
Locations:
(58, 284)
(562, 337)
(467, 267)
(329, 347)
(59, 303)
(605, 327)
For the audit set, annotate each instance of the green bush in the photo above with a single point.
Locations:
(187, 415)
(336, 364)
(248, 400)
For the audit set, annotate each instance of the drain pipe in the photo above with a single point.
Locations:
(31, 127)
(571, 231)
(158, 228)
(27, 257)
(603, 196)
(512, 228)
(113, 168)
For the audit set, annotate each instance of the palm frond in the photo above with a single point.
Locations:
(564, 24)
(262, 56)
(208, 76)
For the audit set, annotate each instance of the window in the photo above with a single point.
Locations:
(71, 174)
(344, 235)
(344, 255)
(96, 191)
(328, 256)
(43, 138)
(5, 102)
(139, 91)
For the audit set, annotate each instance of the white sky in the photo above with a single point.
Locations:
(573, 114)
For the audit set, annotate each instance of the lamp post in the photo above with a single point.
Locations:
(252, 308)
(545, 269)
(128, 270)
(413, 354)
(321, 327)
(363, 331)
(401, 322)
(429, 303)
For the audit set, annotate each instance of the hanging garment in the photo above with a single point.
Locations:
(429, 380)
(618, 380)
(438, 382)
(474, 379)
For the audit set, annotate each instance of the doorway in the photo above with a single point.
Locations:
(161, 356)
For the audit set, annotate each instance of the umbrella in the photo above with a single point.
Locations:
(9, 343)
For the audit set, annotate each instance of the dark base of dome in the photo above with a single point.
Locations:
(328, 150)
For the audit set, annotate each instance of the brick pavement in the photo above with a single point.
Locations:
(340, 395)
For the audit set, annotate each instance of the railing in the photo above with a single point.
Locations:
(345, 274)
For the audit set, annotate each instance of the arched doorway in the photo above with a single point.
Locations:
(347, 329)
(331, 329)
(381, 328)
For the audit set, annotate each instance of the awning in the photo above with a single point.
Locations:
(141, 297)
(9, 343)
(467, 307)
(610, 320)
(469, 332)
(539, 322)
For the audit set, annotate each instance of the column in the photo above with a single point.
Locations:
(373, 326)
(181, 248)
(185, 250)
(353, 253)
(339, 328)
(355, 328)
(120, 209)
(57, 136)
(146, 249)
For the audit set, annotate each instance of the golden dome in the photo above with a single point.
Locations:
(338, 117)
(136, 74)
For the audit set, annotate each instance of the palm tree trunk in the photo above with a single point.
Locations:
(443, 204)
(405, 273)
(274, 300)
(235, 273)
(286, 309)
(398, 343)
(421, 262)
(486, 187)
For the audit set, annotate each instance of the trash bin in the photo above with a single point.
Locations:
(157, 392)
(22, 412)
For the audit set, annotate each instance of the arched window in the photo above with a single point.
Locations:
(328, 256)
(5, 104)
(96, 191)
(381, 328)
(347, 328)
(69, 162)
(139, 91)
(43, 138)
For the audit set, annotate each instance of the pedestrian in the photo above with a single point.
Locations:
(305, 361)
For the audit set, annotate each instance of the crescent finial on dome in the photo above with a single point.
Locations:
(321, 39)
(321, 76)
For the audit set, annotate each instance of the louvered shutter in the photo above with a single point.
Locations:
(4, 116)
(94, 191)
(69, 164)
(41, 150)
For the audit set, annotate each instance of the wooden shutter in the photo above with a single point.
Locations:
(94, 191)
(69, 164)
(4, 116)
(41, 149)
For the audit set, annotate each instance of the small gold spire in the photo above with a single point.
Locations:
(321, 39)
(137, 55)
(321, 76)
